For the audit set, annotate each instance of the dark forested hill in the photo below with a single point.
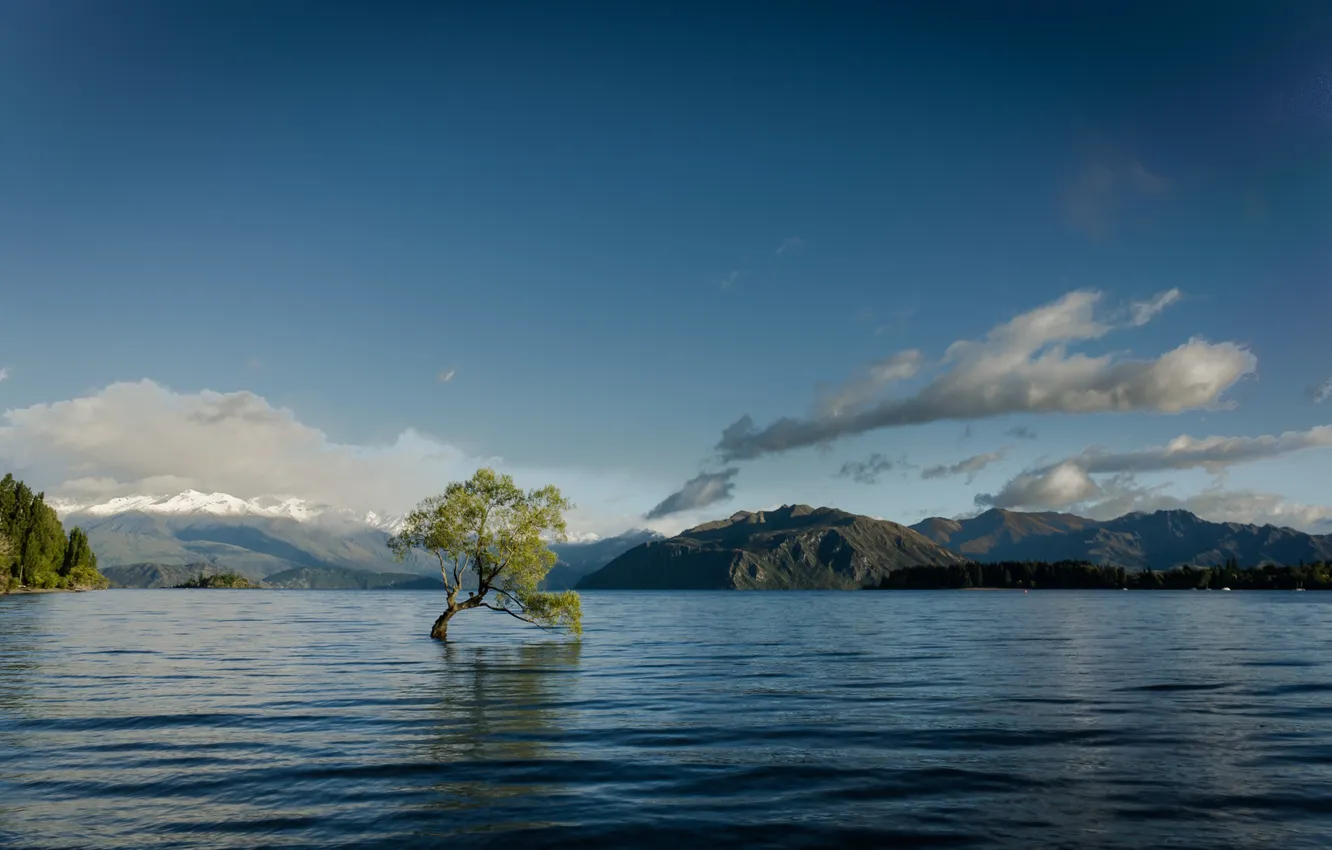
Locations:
(1158, 541)
(794, 547)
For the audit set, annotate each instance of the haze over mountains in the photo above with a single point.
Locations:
(147, 541)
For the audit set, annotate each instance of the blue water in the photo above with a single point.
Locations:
(971, 719)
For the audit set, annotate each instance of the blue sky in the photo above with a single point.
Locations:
(623, 229)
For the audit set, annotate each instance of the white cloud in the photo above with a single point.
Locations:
(1049, 488)
(1218, 505)
(144, 439)
(702, 490)
(1209, 453)
(1056, 488)
(729, 280)
(967, 466)
(853, 395)
(1021, 366)
(1068, 484)
(4, 374)
(1144, 311)
(445, 377)
(790, 243)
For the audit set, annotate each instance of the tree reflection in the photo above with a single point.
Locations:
(19, 646)
(500, 709)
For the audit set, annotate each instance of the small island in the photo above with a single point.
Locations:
(226, 581)
(35, 553)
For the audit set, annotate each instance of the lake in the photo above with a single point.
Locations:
(151, 718)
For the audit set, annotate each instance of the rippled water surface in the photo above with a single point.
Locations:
(1059, 719)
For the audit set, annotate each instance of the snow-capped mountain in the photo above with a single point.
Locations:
(195, 503)
(135, 536)
(585, 537)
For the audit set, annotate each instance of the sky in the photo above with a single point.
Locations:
(678, 260)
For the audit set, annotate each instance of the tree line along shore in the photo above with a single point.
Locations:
(35, 551)
(1083, 575)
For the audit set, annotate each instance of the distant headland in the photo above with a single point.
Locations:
(35, 552)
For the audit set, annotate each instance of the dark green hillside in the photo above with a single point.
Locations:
(995, 533)
(794, 547)
(35, 552)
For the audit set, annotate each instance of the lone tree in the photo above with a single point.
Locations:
(490, 530)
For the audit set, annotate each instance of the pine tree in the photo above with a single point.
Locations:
(43, 544)
(79, 568)
(40, 553)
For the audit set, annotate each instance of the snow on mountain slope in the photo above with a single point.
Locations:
(584, 537)
(194, 503)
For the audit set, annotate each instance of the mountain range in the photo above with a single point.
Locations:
(581, 558)
(793, 547)
(1156, 541)
(798, 546)
(194, 503)
(147, 541)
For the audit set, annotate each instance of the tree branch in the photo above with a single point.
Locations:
(443, 568)
(459, 565)
(495, 573)
(480, 550)
(508, 593)
(518, 616)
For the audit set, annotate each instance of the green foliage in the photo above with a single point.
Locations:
(40, 555)
(6, 560)
(79, 566)
(489, 531)
(231, 581)
(1084, 575)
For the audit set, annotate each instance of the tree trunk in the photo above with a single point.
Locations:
(440, 631)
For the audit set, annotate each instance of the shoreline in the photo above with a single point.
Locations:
(32, 591)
